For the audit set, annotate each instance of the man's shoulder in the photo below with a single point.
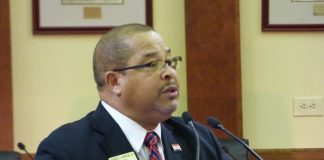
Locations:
(72, 130)
(75, 138)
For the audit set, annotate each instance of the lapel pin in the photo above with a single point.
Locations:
(176, 147)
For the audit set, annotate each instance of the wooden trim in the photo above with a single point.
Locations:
(292, 154)
(213, 62)
(6, 117)
(273, 154)
(24, 156)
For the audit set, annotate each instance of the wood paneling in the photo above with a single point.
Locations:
(6, 122)
(292, 154)
(275, 154)
(213, 61)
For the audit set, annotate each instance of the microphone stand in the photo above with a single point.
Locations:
(216, 124)
(241, 142)
(188, 120)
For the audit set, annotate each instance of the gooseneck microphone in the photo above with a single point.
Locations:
(212, 121)
(22, 147)
(188, 120)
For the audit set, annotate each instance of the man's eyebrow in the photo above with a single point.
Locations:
(153, 53)
(150, 54)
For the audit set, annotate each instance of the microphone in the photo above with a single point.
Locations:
(22, 147)
(188, 120)
(212, 121)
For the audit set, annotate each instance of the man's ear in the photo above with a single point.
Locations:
(112, 80)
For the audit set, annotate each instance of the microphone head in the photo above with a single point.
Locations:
(21, 146)
(214, 122)
(186, 117)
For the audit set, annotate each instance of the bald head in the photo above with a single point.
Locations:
(113, 51)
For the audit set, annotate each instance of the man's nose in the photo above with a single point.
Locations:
(168, 73)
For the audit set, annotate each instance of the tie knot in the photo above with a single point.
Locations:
(150, 139)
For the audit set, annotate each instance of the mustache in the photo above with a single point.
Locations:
(168, 86)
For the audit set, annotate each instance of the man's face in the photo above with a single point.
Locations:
(149, 95)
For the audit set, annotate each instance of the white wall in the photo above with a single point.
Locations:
(52, 74)
(276, 67)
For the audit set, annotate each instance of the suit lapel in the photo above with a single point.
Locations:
(173, 137)
(113, 142)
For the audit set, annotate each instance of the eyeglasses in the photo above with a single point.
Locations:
(154, 65)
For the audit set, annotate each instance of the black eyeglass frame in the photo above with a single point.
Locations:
(167, 62)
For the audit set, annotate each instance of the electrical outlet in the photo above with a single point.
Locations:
(308, 106)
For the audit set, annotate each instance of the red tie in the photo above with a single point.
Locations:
(150, 141)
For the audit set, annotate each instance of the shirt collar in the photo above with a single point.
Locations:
(134, 132)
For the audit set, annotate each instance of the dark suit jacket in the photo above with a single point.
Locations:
(97, 137)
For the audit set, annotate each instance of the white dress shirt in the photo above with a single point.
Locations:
(134, 132)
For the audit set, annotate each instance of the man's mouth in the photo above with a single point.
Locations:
(171, 91)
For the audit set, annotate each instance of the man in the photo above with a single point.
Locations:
(138, 87)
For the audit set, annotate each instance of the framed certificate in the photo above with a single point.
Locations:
(292, 15)
(88, 16)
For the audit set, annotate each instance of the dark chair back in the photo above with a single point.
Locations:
(9, 155)
(234, 149)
